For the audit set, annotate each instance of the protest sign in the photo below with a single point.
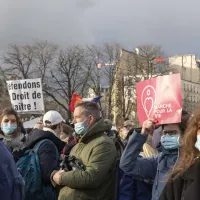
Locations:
(26, 95)
(160, 98)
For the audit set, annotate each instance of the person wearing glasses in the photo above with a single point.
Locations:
(157, 167)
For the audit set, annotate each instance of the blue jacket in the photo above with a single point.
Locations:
(154, 168)
(11, 182)
(133, 189)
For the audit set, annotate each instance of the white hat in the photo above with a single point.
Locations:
(52, 117)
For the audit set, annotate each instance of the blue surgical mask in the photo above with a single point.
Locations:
(197, 144)
(80, 128)
(8, 129)
(170, 141)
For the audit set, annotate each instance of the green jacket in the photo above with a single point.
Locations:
(98, 153)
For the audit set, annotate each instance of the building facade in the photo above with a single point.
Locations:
(188, 67)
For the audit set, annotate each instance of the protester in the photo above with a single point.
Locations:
(69, 138)
(39, 124)
(115, 137)
(109, 132)
(97, 153)
(11, 130)
(48, 152)
(113, 134)
(52, 122)
(123, 127)
(156, 167)
(132, 188)
(66, 133)
(184, 181)
(11, 182)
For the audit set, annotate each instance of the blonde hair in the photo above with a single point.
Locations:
(149, 151)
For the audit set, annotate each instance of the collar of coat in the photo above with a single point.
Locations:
(98, 128)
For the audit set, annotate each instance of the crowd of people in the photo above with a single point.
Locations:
(88, 160)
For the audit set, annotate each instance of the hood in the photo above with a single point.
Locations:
(37, 134)
(99, 127)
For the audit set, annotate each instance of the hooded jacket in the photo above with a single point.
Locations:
(155, 168)
(98, 154)
(11, 182)
(46, 152)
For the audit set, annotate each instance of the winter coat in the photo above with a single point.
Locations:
(133, 189)
(11, 182)
(154, 168)
(185, 187)
(46, 152)
(98, 154)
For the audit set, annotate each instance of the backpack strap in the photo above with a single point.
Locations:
(38, 144)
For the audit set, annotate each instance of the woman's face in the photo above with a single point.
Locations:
(9, 119)
(9, 124)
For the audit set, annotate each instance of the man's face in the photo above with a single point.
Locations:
(125, 129)
(79, 115)
(127, 126)
(171, 129)
(174, 140)
(59, 130)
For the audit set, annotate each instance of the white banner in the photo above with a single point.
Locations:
(26, 95)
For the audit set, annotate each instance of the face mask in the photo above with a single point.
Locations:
(197, 144)
(80, 128)
(8, 129)
(170, 142)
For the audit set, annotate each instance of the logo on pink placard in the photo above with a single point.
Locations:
(148, 99)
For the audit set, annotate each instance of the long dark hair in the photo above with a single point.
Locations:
(188, 151)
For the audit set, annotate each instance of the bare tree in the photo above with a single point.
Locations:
(4, 98)
(70, 75)
(45, 55)
(19, 62)
(103, 73)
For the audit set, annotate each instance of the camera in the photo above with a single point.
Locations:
(71, 163)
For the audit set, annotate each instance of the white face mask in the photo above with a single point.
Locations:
(197, 144)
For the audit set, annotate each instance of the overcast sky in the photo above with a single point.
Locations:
(174, 24)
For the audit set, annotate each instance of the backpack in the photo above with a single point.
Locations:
(29, 167)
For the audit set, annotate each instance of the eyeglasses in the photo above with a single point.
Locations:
(174, 132)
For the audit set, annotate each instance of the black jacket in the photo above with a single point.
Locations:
(185, 187)
(46, 152)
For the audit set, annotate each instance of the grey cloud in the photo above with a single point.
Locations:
(172, 24)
